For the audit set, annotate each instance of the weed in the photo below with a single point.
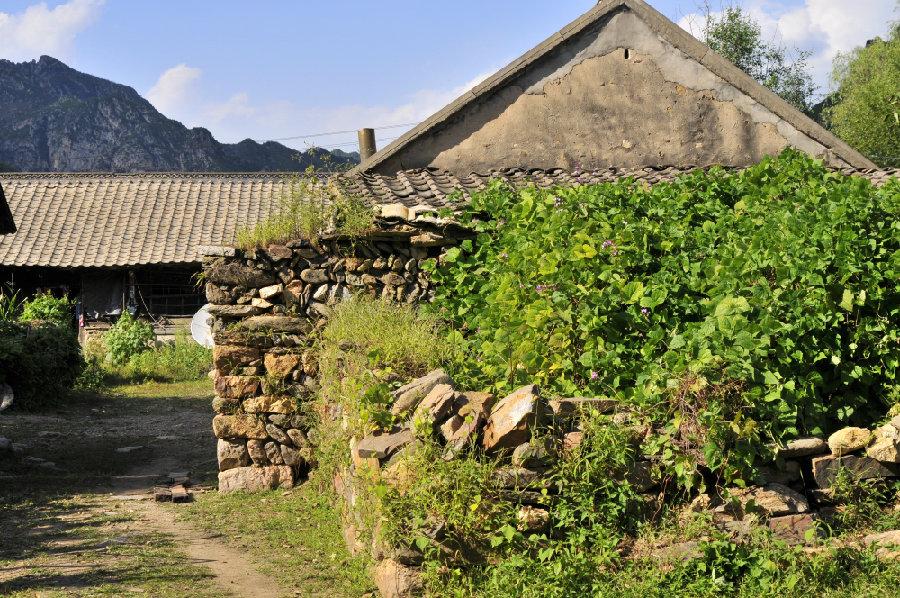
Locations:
(310, 209)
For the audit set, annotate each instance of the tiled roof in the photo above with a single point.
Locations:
(119, 220)
(102, 220)
(667, 30)
(430, 187)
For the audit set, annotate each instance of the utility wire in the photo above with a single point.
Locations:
(332, 133)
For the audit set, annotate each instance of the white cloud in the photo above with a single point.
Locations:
(825, 27)
(174, 89)
(40, 30)
(239, 117)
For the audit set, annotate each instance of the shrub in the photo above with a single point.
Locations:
(47, 307)
(40, 361)
(126, 338)
(779, 281)
(179, 361)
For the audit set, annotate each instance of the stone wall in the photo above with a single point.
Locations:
(267, 302)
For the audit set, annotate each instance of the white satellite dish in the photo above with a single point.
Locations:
(200, 330)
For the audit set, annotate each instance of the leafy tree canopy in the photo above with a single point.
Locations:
(736, 36)
(867, 110)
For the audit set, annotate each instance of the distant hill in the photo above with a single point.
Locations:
(54, 118)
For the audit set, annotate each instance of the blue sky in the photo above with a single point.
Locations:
(275, 68)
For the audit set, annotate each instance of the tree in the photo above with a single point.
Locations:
(866, 112)
(736, 36)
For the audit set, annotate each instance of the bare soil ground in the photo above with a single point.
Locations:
(86, 525)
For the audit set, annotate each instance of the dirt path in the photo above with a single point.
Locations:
(85, 522)
(232, 572)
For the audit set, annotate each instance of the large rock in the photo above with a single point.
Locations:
(236, 387)
(397, 581)
(314, 276)
(277, 434)
(796, 528)
(825, 469)
(512, 420)
(277, 324)
(406, 398)
(293, 293)
(228, 357)
(887, 544)
(473, 402)
(271, 293)
(298, 438)
(233, 311)
(380, 445)
(236, 274)
(435, 406)
(231, 454)
(773, 500)
(257, 451)
(256, 479)
(848, 440)
(803, 447)
(269, 404)
(885, 450)
(291, 456)
(279, 366)
(239, 426)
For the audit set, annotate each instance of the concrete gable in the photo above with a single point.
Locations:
(620, 87)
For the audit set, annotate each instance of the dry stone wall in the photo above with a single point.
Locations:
(266, 303)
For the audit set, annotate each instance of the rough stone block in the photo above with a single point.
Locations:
(640, 476)
(237, 274)
(885, 450)
(277, 434)
(233, 311)
(229, 357)
(887, 544)
(435, 406)
(231, 454)
(511, 421)
(298, 438)
(276, 325)
(291, 456)
(236, 387)
(848, 440)
(256, 479)
(406, 398)
(279, 366)
(397, 581)
(803, 447)
(380, 445)
(825, 469)
(257, 450)
(273, 453)
(293, 293)
(473, 402)
(269, 404)
(239, 426)
(314, 276)
(794, 528)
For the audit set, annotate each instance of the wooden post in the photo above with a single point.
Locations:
(366, 144)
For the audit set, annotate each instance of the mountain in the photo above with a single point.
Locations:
(54, 118)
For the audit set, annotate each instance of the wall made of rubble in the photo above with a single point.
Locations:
(266, 303)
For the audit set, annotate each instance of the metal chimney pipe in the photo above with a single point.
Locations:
(366, 144)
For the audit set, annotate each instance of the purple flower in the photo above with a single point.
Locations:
(645, 311)
(615, 253)
(503, 255)
(594, 375)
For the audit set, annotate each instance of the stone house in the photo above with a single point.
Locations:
(623, 87)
